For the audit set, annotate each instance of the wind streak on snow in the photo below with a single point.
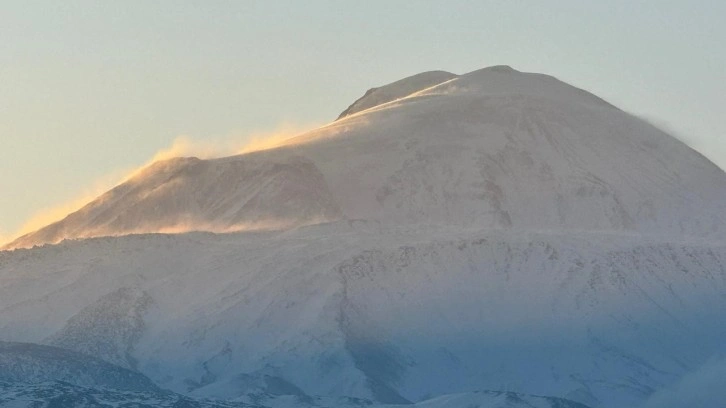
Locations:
(191, 225)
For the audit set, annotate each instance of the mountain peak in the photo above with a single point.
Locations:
(500, 68)
(396, 90)
(409, 85)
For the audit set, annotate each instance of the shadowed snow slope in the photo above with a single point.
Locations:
(496, 231)
(32, 363)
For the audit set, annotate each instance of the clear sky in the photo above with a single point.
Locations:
(90, 90)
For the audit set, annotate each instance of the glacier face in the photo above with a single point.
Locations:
(496, 230)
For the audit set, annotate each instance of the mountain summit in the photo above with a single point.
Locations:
(397, 90)
(494, 148)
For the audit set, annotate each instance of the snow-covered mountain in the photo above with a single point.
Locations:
(496, 230)
(495, 148)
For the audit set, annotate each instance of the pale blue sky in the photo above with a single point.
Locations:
(92, 88)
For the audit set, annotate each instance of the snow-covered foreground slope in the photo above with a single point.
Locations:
(58, 394)
(392, 314)
(35, 376)
(64, 395)
(496, 148)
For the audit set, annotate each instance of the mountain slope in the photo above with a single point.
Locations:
(482, 148)
(390, 313)
(108, 328)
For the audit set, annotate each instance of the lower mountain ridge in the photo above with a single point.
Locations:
(388, 314)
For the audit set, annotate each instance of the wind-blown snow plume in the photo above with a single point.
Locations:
(181, 146)
(236, 143)
(56, 212)
(184, 146)
(279, 136)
